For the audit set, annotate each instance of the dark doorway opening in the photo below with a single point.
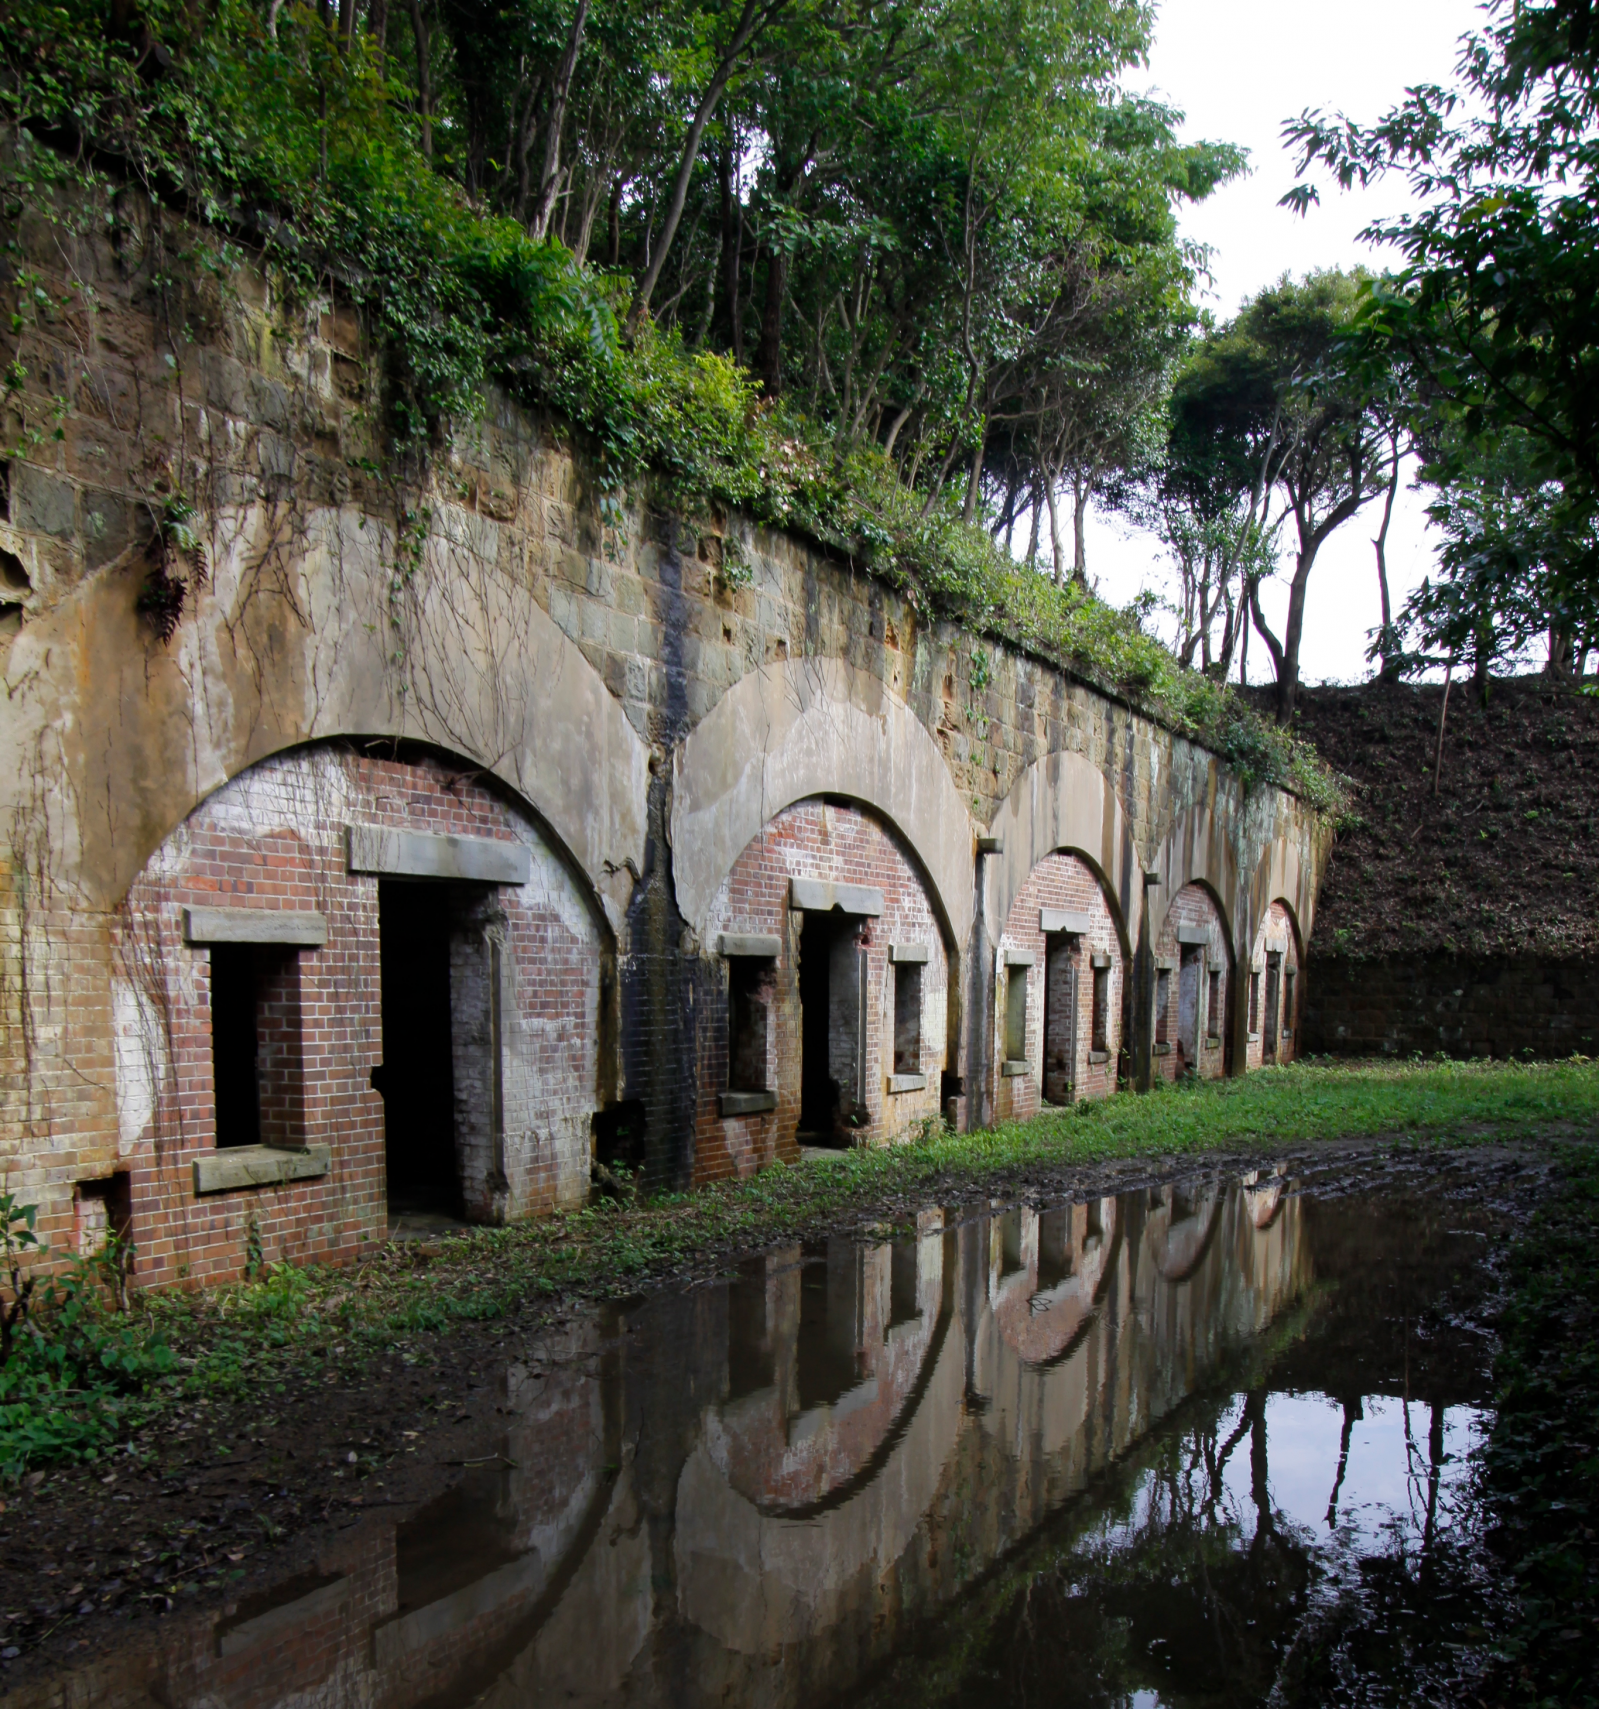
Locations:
(235, 1082)
(1274, 966)
(1060, 1018)
(417, 1076)
(832, 976)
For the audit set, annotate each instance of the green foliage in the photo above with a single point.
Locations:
(1540, 1463)
(67, 1391)
(306, 151)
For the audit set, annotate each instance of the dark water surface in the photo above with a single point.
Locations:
(1203, 1444)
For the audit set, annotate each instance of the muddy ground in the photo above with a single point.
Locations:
(235, 1495)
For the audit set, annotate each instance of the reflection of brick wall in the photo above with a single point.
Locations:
(1277, 933)
(839, 844)
(273, 838)
(1462, 1005)
(1194, 908)
(1058, 881)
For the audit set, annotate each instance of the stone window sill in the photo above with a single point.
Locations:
(1254, 1038)
(239, 1166)
(746, 1103)
(1098, 1056)
(1213, 1042)
(1013, 1070)
(1163, 1050)
(907, 1082)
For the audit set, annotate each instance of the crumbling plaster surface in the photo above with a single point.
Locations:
(804, 727)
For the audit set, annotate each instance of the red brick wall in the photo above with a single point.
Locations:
(1058, 881)
(273, 838)
(1194, 908)
(837, 844)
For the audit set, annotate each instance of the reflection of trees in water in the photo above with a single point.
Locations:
(1180, 1590)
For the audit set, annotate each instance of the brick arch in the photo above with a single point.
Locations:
(815, 727)
(1064, 804)
(261, 873)
(1181, 1020)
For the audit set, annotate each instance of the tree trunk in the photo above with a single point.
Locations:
(974, 484)
(1054, 530)
(1387, 641)
(1079, 543)
(732, 249)
(750, 20)
(550, 176)
(769, 357)
(424, 80)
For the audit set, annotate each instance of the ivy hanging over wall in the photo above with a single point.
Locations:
(291, 151)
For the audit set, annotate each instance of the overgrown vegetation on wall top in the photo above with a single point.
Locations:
(289, 144)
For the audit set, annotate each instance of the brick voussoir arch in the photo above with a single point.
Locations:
(1198, 851)
(809, 727)
(1063, 803)
(1282, 875)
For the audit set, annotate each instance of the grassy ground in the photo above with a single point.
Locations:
(614, 1247)
(402, 1298)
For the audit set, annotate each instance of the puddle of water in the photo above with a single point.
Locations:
(1199, 1445)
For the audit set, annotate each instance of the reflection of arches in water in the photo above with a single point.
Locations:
(1064, 1259)
(1181, 1228)
(755, 1459)
(524, 1588)
(1264, 1199)
(754, 1578)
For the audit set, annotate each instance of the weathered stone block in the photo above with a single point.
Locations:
(43, 502)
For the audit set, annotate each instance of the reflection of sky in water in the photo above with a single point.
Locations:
(1382, 1501)
(1385, 1479)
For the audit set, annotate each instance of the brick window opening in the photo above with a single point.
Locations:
(749, 994)
(255, 1046)
(832, 984)
(1162, 1006)
(1101, 1030)
(1016, 1014)
(1274, 965)
(1290, 979)
(1213, 1011)
(1060, 1019)
(1254, 1002)
(908, 1017)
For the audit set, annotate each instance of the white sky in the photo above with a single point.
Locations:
(1238, 69)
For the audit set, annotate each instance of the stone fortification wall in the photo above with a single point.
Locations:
(451, 656)
(1461, 1005)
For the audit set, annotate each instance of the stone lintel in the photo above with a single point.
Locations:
(1064, 920)
(298, 928)
(745, 1103)
(1099, 961)
(239, 1166)
(819, 895)
(1165, 964)
(1020, 958)
(761, 944)
(1193, 935)
(422, 854)
(991, 845)
(907, 1083)
(908, 952)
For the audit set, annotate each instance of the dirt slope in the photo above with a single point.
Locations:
(1504, 860)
